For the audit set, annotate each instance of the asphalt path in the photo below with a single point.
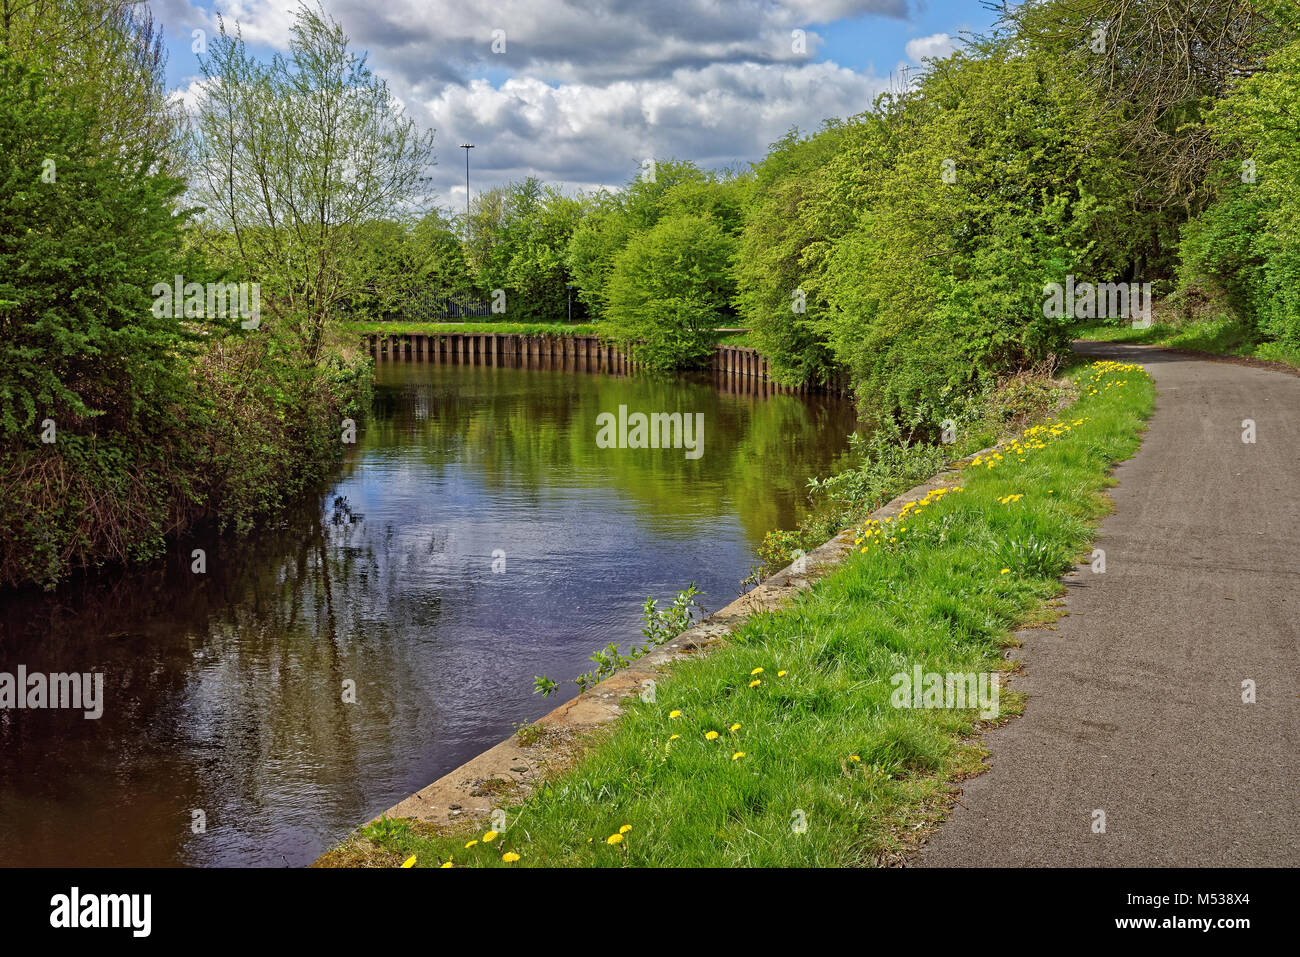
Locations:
(1135, 698)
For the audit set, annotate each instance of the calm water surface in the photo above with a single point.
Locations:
(223, 691)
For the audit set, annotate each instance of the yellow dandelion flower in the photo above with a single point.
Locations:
(755, 683)
(854, 757)
(734, 727)
(446, 864)
(625, 828)
(471, 844)
(757, 671)
(409, 862)
(710, 735)
(489, 837)
(614, 839)
(510, 857)
(673, 737)
(674, 714)
(1004, 571)
(780, 674)
(738, 755)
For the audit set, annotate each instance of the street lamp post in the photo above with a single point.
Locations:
(467, 147)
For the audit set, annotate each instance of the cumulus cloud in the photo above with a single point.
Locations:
(586, 41)
(584, 90)
(938, 45)
(581, 134)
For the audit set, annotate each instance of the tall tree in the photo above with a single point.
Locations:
(107, 55)
(83, 238)
(1160, 64)
(294, 156)
(669, 289)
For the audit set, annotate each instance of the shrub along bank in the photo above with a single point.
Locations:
(122, 422)
(249, 430)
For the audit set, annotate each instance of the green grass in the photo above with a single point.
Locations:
(893, 459)
(739, 340)
(502, 328)
(471, 328)
(822, 743)
(1220, 337)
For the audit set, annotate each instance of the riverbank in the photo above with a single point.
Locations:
(248, 428)
(475, 535)
(790, 744)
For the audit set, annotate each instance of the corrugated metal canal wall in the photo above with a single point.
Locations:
(737, 367)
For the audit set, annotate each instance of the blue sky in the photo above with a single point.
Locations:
(864, 43)
(586, 89)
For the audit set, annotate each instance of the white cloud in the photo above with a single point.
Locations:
(587, 88)
(719, 115)
(562, 40)
(938, 45)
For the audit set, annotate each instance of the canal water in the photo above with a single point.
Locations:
(476, 535)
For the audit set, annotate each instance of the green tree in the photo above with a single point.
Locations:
(612, 220)
(437, 255)
(1159, 65)
(1248, 241)
(780, 253)
(597, 239)
(669, 290)
(999, 178)
(108, 56)
(84, 236)
(518, 239)
(294, 157)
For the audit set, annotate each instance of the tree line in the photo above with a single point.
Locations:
(1106, 141)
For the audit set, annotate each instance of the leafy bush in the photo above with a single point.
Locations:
(519, 240)
(660, 627)
(668, 291)
(938, 287)
(897, 457)
(785, 237)
(1248, 241)
(83, 239)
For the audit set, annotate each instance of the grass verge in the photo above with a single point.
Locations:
(783, 747)
(899, 455)
(470, 328)
(502, 328)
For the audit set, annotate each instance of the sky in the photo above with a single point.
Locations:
(581, 92)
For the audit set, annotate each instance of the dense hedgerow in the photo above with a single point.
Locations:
(119, 426)
(1247, 242)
